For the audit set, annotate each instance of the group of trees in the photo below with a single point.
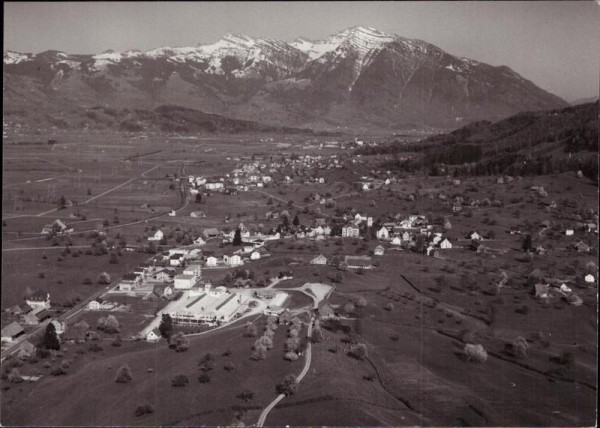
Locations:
(109, 325)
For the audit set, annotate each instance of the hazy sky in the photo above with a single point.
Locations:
(554, 44)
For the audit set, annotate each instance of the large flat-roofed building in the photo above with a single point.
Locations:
(184, 281)
(206, 307)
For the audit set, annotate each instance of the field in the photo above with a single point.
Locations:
(414, 313)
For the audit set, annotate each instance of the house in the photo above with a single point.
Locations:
(274, 311)
(199, 241)
(161, 290)
(325, 311)
(358, 262)
(153, 336)
(158, 236)
(58, 227)
(30, 319)
(20, 309)
(129, 282)
(406, 236)
(38, 299)
(589, 278)
(379, 250)
(447, 224)
(211, 261)
(569, 232)
(319, 260)
(163, 276)
(582, 247)
(474, 236)
(255, 255)
(210, 233)
(11, 332)
(383, 233)
(172, 213)
(197, 214)
(234, 260)
(445, 244)
(59, 327)
(43, 315)
(350, 232)
(574, 299)
(184, 281)
(396, 240)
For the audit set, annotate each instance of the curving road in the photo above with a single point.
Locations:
(265, 412)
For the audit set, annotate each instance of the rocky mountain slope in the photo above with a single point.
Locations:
(358, 77)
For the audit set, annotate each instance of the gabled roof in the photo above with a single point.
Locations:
(12, 330)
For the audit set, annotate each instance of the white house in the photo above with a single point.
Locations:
(152, 336)
(475, 236)
(184, 282)
(158, 235)
(569, 232)
(59, 327)
(39, 300)
(589, 278)
(319, 260)
(172, 213)
(234, 260)
(379, 250)
(211, 261)
(445, 244)
(396, 240)
(383, 233)
(350, 232)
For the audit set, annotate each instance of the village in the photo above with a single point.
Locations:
(324, 239)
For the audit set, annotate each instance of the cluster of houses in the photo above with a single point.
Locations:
(58, 227)
(548, 288)
(34, 310)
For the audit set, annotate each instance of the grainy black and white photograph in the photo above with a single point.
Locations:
(287, 214)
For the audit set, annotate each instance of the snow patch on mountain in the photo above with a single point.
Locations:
(15, 57)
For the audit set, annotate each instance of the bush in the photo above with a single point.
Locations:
(519, 347)
(15, 376)
(124, 374)
(475, 353)
(229, 366)
(251, 330)
(179, 381)
(144, 409)
(179, 342)
(259, 353)
(207, 363)
(359, 351)
(94, 347)
(245, 395)
(389, 307)
(204, 378)
(58, 371)
(288, 385)
(291, 356)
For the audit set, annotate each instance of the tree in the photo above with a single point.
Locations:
(15, 376)
(250, 330)
(111, 325)
(237, 237)
(259, 353)
(349, 308)
(207, 362)
(245, 395)
(291, 356)
(179, 342)
(103, 278)
(166, 326)
(527, 244)
(113, 259)
(229, 366)
(179, 381)
(519, 347)
(144, 409)
(50, 339)
(288, 385)
(265, 341)
(198, 198)
(124, 374)
(296, 221)
(361, 302)
(62, 202)
(204, 377)
(475, 353)
(359, 351)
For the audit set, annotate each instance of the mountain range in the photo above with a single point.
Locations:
(358, 78)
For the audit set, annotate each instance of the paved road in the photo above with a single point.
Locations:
(307, 361)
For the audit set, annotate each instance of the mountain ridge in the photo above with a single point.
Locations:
(356, 77)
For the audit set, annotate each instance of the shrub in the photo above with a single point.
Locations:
(58, 371)
(124, 374)
(94, 347)
(179, 342)
(359, 351)
(291, 356)
(14, 376)
(288, 385)
(389, 306)
(259, 353)
(204, 378)
(519, 347)
(245, 395)
(228, 353)
(179, 381)
(229, 366)
(475, 353)
(144, 409)
(207, 363)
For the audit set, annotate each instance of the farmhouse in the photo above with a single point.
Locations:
(58, 227)
(358, 262)
(379, 250)
(211, 233)
(474, 236)
(589, 278)
(100, 305)
(255, 255)
(38, 300)
(158, 236)
(319, 260)
(11, 332)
